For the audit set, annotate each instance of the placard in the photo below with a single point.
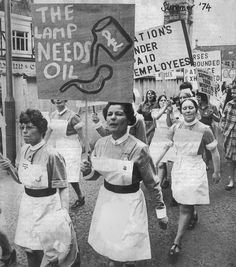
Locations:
(206, 82)
(161, 49)
(84, 51)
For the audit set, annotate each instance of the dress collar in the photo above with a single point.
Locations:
(120, 140)
(62, 112)
(191, 123)
(36, 147)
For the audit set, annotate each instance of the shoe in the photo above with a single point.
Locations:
(11, 260)
(193, 221)
(174, 252)
(229, 187)
(78, 203)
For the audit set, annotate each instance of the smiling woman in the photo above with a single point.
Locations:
(119, 227)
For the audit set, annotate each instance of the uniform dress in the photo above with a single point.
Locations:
(65, 140)
(42, 172)
(119, 227)
(145, 109)
(228, 125)
(189, 176)
(160, 139)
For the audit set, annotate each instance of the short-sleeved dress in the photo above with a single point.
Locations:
(65, 140)
(189, 176)
(145, 109)
(160, 138)
(119, 227)
(41, 171)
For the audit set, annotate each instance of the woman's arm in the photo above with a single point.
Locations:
(5, 164)
(216, 163)
(64, 196)
(152, 183)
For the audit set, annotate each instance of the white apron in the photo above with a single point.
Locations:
(189, 176)
(33, 209)
(119, 227)
(68, 146)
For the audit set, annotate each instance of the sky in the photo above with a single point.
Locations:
(214, 27)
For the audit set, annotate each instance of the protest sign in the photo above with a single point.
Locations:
(206, 82)
(84, 51)
(209, 60)
(161, 49)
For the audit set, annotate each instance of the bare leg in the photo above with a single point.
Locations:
(185, 214)
(80, 201)
(5, 245)
(232, 173)
(161, 171)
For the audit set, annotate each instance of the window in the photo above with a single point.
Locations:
(20, 40)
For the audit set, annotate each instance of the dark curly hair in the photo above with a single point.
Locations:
(159, 98)
(128, 110)
(36, 118)
(190, 99)
(154, 96)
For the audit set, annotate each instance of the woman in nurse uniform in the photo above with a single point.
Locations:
(119, 227)
(43, 175)
(189, 176)
(65, 134)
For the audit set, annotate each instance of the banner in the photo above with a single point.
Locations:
(161, 49)
(210, 61)
(206, 82)
(84, 51)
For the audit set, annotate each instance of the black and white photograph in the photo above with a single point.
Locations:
(117, 133)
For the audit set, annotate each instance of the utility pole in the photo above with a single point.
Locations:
(9, 100)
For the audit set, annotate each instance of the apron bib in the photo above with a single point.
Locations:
(33, 209)
(69, 147)
(119, 227)
(189, 177)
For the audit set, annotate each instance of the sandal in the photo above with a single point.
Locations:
(78, 203)
(174, 252)
(193, 221)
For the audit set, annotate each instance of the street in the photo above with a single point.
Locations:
(210, 244)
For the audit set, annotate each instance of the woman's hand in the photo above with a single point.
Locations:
(216, 177)
(163, 223)
(95, 118)
(5, 163)
(85, 167)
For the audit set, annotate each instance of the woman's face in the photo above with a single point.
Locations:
(60, 104)
(150, 96)
(162, 101)
(30, 133)
(116, 120)
(189, 111)
(199, 98)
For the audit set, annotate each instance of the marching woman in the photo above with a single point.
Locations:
(160, 137)
(45, 199)
(65, 134)
(189, 176)
(228, 126)
(145, 109)
(119, 227)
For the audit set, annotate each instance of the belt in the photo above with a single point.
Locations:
(121, 189)
(40, 192)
